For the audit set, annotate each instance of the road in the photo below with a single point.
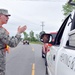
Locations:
(25, 60)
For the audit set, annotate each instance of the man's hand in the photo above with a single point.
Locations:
(21, 29)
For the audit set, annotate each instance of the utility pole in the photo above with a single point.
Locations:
(42, 25)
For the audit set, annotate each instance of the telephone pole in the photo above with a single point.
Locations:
(42, 25)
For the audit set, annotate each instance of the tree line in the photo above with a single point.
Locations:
(31, 36)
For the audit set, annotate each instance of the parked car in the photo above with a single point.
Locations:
(25, 42)
(45, 47)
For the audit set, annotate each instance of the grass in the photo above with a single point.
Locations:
(36, 42)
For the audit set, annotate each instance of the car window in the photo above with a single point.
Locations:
(54, 35)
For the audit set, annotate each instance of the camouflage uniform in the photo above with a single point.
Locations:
(6, 40)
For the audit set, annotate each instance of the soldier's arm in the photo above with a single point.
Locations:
(11, 41)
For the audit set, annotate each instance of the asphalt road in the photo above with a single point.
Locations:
(25, 60)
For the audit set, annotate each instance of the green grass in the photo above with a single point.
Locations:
(36, 42)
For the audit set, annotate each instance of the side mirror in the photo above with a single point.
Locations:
(46, 38)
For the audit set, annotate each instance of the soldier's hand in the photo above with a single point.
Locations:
(21, 29)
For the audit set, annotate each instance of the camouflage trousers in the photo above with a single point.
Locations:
(2, 62)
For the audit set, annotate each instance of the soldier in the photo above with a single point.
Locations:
(5, 39)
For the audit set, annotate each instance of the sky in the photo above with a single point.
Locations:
(32, 13)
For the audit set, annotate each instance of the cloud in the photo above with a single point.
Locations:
(32, 13)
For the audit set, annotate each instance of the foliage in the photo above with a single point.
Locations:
(25, 35)
(37, 36)
(31, 37)
(31, 34)
(67, 8)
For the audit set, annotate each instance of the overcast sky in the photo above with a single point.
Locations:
(32, 13)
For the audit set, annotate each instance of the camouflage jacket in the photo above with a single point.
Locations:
(5, 39)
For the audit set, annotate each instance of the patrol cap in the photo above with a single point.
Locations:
(4, 12)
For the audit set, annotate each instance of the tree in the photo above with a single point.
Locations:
(31, 34)
(25, 35)
(31, 37)
(67, 8)
(37, 36)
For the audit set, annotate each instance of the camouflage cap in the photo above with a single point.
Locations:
(4, 12)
